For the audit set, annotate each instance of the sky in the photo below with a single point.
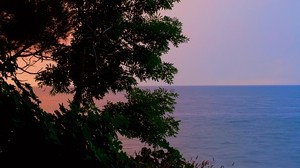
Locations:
(237, 42)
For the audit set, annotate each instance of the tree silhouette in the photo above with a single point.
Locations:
(114, 45)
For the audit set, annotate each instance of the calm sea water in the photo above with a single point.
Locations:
(233, 126)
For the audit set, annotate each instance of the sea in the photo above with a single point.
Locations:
(230, 126)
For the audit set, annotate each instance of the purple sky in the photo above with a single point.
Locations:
(237, 42)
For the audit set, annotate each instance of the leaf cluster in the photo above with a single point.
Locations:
(114, 45)
(29, 30)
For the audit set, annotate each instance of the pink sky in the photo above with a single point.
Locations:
(234, 42)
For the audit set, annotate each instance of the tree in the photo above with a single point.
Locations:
(114, 46)
(28, 31)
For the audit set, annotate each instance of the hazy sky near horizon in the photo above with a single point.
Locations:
(237, 42)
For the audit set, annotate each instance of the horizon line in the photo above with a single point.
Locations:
(195, 85)
(224, 85)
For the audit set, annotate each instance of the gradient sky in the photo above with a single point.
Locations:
(237, 42)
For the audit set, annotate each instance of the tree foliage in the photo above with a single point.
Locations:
(114, 45)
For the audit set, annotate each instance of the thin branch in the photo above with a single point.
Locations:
(28, 72)
(18, 53)
(107, 29)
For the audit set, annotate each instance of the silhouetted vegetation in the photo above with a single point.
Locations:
(114, 45)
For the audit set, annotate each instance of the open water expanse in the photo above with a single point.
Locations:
(233, 126)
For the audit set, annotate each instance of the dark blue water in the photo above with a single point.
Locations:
(243, 126)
